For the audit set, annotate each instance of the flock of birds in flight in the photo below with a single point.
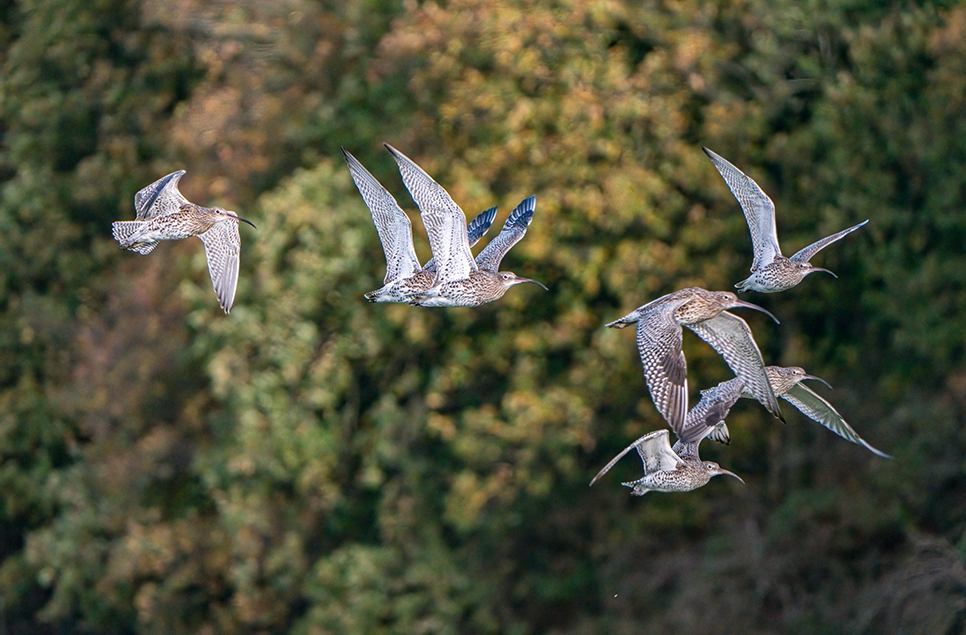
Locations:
(453, 277)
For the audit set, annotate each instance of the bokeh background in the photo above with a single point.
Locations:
(315, 464)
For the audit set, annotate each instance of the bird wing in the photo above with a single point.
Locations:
(814, 407)
(513, 231)
(659, 340)
(222, 247)
(758, 208)
(392, 224)
(711, 409)
(160, 198)
(731, 337)
(720, 433)
(655, 451)
(444, 221)
(687, 450)
(474, 231)
(806, 254)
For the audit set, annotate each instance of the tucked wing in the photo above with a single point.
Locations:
(814, 407)
(665, 369)
(711, 409)
(806, 254)
(731, 337)
(474, 231)
(222, 247)
(513, 231)
(444, 221)
(392, 224)
(759, 210)
(655, 452)
(160, 198)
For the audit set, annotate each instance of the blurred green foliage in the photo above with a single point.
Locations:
(316, 464)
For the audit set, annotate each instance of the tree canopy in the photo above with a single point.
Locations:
(316, 464)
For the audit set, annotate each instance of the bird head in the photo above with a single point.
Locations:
(714, 470)
(731, 301)
(782, 378)
(508, 278)
(224, 214)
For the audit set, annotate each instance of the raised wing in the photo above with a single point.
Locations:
(814, 407)
(513, 231)
(655, 452)
(392, 224)
(480, 225)
(444, 221)
(687, 450)
(222, 247)
(474, 231)
(160, 198)
(758, 208)
(712, 409)
(730, 336)
(806, 254)
(665, 369)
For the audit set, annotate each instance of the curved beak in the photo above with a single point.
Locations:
(819, 379)
(237, 217)
(749, 305)
(814, 269)
(539, 284)
(723, 471)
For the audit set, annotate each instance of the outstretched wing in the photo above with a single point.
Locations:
(222, 247)
(731, 337)
(655, 452)
(392, 224)
(160, 198)
(711, 409)
(513, 231)
(444, 221)
(758, 208)
(474, 231)
(814, 407)
(665, 369)
(806, 254)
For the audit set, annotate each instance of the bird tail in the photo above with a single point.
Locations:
(123, 230)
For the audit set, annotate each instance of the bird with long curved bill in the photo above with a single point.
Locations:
(162, 213)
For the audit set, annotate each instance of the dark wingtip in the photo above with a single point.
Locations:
(522, 214)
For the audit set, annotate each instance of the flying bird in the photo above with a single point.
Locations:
(771, 272)
(404, 275)
(659, 341)
(461, 280)
(162, 213)
(667, 469)
(707, 417)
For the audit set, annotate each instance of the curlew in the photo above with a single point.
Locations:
(706, 419)
(396, 235)
(771, 272)
(162, 213)
(667, 469)
(461, 280)
(659, 339)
